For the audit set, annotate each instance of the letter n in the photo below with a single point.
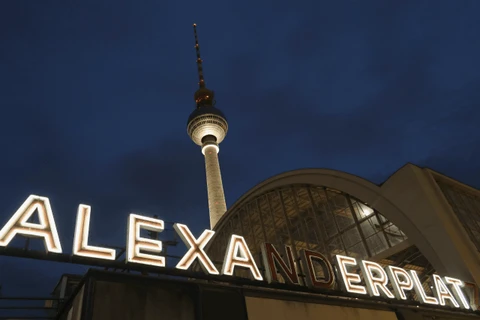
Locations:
(274, 263)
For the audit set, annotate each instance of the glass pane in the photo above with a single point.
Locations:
(344, 218)
(381, 219)
(247, 230)
(362, 211)
(335, 247)
(255, 224)
(377, 243)
(327, 225)
(235, 225)
(465, 205)
(357, 251)
(340, 208)
(394, 238)
(351, 237)
(370, 226)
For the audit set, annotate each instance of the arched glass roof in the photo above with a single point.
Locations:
(308, 217)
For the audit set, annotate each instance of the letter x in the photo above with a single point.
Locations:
(196, 249)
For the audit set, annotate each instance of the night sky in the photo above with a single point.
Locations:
(95, 98)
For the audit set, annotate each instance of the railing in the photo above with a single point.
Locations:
(27, 308)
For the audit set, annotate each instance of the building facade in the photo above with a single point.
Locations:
(106, 295)
(417, 220)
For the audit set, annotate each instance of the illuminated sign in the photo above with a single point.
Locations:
(45, 229)
(196, 249)
(313, 270)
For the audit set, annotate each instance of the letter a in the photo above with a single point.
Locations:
(238, 254)
(46, 229)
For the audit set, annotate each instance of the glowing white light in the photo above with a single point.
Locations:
(80, 239)
(376, 279)
(419, 290)
(441, 292)
(457, 290)
(238, 254)
(46, 229)
(207, 124)
(135, 242)
(208, 146)
(364, 210)
(196, 249)
(401, 281)
(347, 277)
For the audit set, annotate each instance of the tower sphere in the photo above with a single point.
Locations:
(205, 121)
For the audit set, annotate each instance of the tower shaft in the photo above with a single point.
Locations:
(216, 196)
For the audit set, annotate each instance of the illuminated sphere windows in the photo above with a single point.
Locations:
(206, 121)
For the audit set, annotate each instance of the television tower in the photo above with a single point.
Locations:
(207, 127)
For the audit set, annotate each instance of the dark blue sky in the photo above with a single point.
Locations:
(95, 97)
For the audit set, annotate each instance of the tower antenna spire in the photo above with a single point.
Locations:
(204, 97)
(201, 80)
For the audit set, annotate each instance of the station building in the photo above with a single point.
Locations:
(418, 219)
